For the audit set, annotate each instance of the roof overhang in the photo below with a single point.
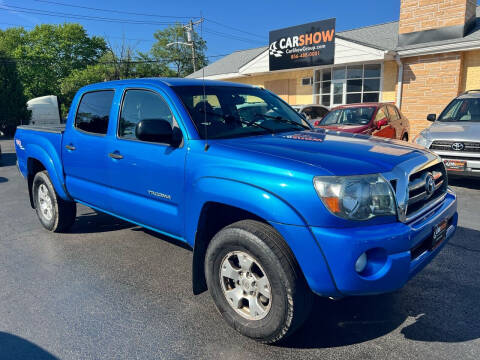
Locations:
(443, 48)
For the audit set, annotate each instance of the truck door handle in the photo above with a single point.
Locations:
(70, 147)
(115, 155)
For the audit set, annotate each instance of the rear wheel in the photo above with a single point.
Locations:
(405, 137)
(255, 281)
(54, 213)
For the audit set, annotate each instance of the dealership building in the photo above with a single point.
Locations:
(420, 62)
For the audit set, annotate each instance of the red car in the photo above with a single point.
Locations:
(379, 119)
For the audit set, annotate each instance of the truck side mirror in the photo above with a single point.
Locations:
(431, 117)
(156, 130)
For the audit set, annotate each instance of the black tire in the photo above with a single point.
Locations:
(62, 213)
(291, 299)
(405, 137)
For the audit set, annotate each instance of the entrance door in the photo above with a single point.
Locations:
(338, 92)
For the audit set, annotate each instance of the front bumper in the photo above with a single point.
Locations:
(394, 252)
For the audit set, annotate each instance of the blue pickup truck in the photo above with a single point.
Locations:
(273, 210)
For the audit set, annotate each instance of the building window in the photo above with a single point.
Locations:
(307, 81)
(347, 84)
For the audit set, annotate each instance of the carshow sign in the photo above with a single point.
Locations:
(311, 44)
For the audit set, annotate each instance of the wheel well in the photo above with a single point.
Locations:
(33, 167)
(405, 135)
(214, 217)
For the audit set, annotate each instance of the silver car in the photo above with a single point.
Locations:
(455, 135)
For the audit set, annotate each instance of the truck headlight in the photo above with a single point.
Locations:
(359, 197)
(422, 140)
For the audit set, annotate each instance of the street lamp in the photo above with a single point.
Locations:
(187, 44)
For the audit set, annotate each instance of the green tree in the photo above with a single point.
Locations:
(49, 53)
(13, 104)
(178, 57)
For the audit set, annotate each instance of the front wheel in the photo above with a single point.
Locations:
(54, 213)
(255, 281)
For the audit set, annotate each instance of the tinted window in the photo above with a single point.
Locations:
(141, 105)
(94, 111)
(233, 111)
(349, 116)
(381, 114)
(462, 110)
(393, 113)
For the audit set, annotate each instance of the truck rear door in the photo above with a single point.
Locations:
(84, 152)
(147, 177)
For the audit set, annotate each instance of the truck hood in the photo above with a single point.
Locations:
(330, 152)
(463, 131)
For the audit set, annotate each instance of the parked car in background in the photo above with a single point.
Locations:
(313, 112)
(378, 119)
(455, 135)
(273, 210)
(45, 110)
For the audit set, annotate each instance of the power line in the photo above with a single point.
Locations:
(113, 11)
(231, 28)
(83, 17)
(232, 36)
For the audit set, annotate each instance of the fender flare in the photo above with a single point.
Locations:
(250, 198)
(52, 163)
(242, 195)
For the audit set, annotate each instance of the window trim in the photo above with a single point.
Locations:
(117, 137)
(78, 107)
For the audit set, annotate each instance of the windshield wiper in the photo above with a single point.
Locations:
(288, 121)
(249, 123)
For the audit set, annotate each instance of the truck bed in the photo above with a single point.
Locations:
(54, 128)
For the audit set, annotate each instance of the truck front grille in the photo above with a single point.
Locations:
(463, 146)
(425, 187)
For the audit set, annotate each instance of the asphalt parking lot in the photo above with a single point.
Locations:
(112, 290)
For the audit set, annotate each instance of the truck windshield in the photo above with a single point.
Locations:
(349, 116)
(221, 112)
(462, 110)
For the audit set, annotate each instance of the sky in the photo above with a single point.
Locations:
(228, 26)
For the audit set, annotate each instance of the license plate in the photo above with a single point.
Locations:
(439, 233)
(455, 165)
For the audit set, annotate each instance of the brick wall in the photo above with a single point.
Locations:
(303, 94)
(430, 82)
(471, 70)
(419, 15)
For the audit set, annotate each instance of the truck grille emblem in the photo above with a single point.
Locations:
(458, 146)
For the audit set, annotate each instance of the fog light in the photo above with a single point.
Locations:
(361, 263)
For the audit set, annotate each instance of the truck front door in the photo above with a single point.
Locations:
(147, 177)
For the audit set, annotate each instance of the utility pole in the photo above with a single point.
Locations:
(191, 38)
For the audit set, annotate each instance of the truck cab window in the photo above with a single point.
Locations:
(94, 111)
(141, 105)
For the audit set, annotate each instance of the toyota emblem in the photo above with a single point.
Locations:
(429, 185)
(458, 146)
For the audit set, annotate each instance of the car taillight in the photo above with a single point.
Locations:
(316, 123)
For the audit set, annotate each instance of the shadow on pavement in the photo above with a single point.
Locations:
(469, 183)
(96, 222)
(440, 305)
(13, 347)
(8, 159)
(3, 180)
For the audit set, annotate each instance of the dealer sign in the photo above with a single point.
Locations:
(311, 44)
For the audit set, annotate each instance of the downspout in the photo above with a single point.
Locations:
(399, 81)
